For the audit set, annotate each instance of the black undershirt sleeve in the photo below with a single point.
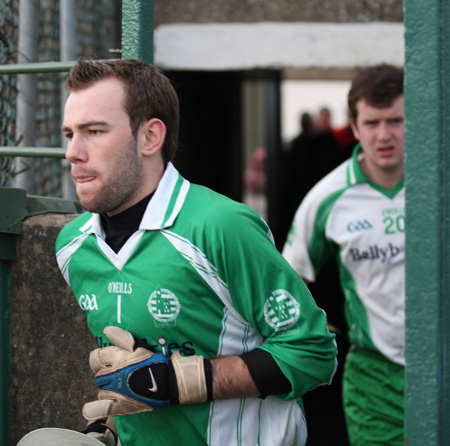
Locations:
(265, 373)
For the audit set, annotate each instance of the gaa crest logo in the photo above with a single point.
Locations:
(164, 306)
(282, 311)
(88, 302)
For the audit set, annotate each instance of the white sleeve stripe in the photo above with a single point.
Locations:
(64, 255)
(204, 268)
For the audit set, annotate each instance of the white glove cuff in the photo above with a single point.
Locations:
(193, 381)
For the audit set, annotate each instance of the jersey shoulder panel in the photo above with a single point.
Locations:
(68, 241)
(220, 214)
(72, 230)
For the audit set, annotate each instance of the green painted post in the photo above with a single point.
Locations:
(427, 100)
(13, 205)
(5, 311)
(137, 29)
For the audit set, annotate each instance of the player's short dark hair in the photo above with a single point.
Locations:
(148, 93)
(378, 85)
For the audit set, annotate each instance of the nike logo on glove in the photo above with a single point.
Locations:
(154, 387)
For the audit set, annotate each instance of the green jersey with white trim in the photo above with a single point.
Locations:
(202, 276)
(363, 225)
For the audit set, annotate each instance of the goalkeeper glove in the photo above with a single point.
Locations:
(133, 379)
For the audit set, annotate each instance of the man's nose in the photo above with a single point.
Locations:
(384, 133)
(76, 151)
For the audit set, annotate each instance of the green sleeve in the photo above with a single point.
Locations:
(271, 296)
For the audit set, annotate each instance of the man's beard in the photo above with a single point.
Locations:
(121, 187)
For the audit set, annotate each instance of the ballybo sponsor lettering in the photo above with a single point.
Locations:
(376, 253)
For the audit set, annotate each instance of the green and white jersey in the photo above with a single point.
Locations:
(202, 276)
(363, 225)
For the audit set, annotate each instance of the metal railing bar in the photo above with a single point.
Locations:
(37, 67)
(37, 152)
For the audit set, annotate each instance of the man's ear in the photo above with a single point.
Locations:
(354, 128)
(154, 134)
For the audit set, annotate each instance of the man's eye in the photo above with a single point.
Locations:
(68, 135)
(95, 132)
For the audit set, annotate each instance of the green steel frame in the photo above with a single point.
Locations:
(427, 102)
(34, 152)
(13, 212)
(38, 67)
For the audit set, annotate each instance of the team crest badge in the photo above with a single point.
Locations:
(164, 306)
(282, 311)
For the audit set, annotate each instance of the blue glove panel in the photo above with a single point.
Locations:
(146, 381)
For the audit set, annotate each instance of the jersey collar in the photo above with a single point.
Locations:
(356, 175)
(167, 202)
(163, 208)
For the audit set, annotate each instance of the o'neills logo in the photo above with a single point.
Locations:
(120, 288)
(376, 253)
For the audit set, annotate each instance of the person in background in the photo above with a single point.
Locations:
(206, 335)
(308, 158)
(345, 141)
(255, 182)
(323, 120)
(357, 215)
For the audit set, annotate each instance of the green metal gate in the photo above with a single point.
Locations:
(427, 99)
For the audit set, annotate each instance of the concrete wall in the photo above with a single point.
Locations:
(283, 34)
(217, 11)
(277, 45)
(50, 342)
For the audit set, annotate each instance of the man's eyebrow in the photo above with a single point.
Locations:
(85, 125)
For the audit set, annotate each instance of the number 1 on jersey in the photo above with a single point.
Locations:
(119, 309)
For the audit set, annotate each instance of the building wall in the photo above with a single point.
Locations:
(246, 11)
(282, 34)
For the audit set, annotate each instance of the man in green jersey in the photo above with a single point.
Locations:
(357, 215)
(206, 335)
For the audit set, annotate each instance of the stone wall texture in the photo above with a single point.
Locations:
(50, 343)
(216, 11)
